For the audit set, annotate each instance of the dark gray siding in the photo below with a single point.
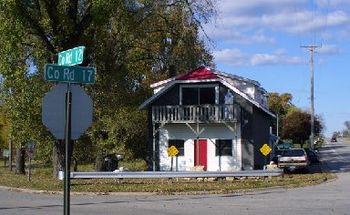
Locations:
(170, 97)
(255, 132)
(261, 135)
(149, 147)
(151, 130)
(247, 136)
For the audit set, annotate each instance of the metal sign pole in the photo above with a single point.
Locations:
(172, 161)
(67, 141)
(177, 163)
(10, 155)
(29, 168)
(54, 109)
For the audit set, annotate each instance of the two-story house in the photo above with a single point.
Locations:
(217, 121)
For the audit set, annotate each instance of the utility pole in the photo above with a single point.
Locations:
(311, 49)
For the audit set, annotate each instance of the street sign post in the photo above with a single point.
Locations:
(172, 152)
(70, 74)
(31, 146)
(62, 110)
(72, 56)
(265, 150)
(5, 154)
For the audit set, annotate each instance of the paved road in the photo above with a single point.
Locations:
(328, 198)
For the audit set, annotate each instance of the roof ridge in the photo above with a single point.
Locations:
(162, 82)
(228, 75)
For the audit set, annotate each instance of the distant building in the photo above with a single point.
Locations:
(217, 121)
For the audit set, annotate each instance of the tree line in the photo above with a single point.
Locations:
(132, 43)
(293, 123)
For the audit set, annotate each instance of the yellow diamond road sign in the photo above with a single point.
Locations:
(172, 151)
(265, 149)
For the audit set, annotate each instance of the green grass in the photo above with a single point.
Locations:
(42, 180)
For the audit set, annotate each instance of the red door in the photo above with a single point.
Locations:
(200, 153)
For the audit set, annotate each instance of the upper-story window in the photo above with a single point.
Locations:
(199, 95)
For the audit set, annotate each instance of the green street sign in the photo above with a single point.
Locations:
(70, 74)
(71, 57)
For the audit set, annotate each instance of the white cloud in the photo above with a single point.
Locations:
(235, 36)
(304, 21)
(264, 59)
(288, 15)
(280, 51)
(295, 60)
(237, 57)
(273, 59)
(260, 37)
(254, 7)
(255, 25)
(329, 49)
(337, 18)
(332, 3)
(230, 56)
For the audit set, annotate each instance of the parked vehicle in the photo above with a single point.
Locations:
(276, 154)
(291, 159)
(279, 147)
(312, 156)
(333, 139)
(284, 145)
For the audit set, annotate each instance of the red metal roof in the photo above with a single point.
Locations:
(200, 73)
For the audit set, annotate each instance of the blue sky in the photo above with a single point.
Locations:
(262, 39)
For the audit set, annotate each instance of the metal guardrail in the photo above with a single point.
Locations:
(182, 174)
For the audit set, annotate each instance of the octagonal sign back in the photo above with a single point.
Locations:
(53, 111)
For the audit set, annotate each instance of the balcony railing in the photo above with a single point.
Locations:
(195, 113)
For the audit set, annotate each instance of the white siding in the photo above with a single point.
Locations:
(210, 133)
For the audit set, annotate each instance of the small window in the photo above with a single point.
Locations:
(207, 96)
(198, 95)
(223, 148)
(179, 144)
(190, 96)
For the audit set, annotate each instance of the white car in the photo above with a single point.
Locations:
(291, 159)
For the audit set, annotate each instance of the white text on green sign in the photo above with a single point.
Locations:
(71, 57)
(71, 74)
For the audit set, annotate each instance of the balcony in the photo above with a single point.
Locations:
(195, 113)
